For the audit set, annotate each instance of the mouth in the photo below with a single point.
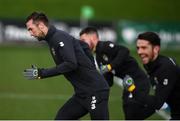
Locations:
(144, 58)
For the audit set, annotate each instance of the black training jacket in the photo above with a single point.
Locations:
(72, 62)
(87, 51)
(123, 64)
(165, 78)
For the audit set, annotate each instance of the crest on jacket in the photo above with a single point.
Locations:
(111, 45)
(61, 44)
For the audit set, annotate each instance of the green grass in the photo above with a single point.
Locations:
(13, 61)
(152, 10)
(40, 99)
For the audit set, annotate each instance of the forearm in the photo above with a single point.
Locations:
(60, 69)
(45, 73)
(154, 102)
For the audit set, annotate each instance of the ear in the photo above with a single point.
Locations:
(156, 49)
(41, 25)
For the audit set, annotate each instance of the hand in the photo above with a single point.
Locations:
(128, 83)
(31, 73)
(105, 68)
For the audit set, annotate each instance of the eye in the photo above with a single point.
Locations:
(29, 29)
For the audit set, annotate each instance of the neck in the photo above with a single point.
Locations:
(155, 57)
(95, 45)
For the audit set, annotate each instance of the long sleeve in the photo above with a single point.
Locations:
(65, 53)
(166, 82)
(120, 57)
(164, 75)
(117, 52)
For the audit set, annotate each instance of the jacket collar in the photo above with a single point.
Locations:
(50, 33)
(151, 66)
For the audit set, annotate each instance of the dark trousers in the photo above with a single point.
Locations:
(175, 115)
(134, 110)
(76, 107)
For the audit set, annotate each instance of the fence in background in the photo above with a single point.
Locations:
(124, 31)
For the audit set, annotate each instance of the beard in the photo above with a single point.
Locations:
(41, 36)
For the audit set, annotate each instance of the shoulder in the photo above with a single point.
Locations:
(110, 44)
(111, 47)
(105, 47)
(166, 65)
(63, 36)
(166, 61)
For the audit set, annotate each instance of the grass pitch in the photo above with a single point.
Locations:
(41, 99)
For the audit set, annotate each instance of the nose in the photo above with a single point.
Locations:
(139, 51)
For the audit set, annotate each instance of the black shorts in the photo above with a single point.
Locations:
(96, 104)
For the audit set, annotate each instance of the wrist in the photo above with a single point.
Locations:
(109, 67)
(131, 88)
(39, 74)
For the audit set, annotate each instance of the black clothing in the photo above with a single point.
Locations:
(123, 64)
(109, 75)
(87, 51)
(76, 107)
(134, 110)
(164, 76)
(72, 62)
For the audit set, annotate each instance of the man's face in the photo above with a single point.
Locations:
(35, 30)
(88, 39)
(146, 51)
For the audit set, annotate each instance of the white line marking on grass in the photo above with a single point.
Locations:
(41, 96)
(34, 96)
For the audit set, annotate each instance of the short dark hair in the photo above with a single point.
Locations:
(89, 30)
(152, 37)
(38, 16)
